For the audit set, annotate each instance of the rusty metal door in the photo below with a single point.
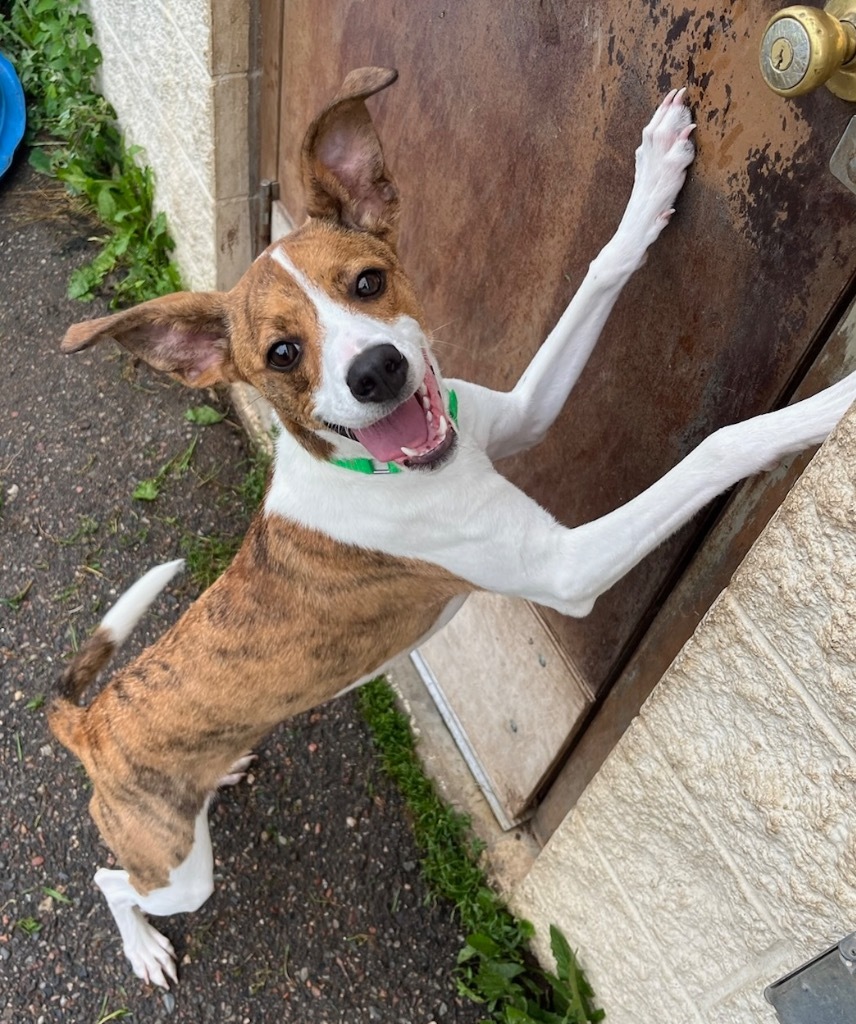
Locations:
(511, 134)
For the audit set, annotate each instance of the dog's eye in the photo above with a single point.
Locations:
(284, 354)
(369, 284)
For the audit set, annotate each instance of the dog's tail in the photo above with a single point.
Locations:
(116, 626)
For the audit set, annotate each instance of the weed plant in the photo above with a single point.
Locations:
(74, 137)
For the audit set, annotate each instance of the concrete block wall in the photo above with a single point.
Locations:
(716, 849)
(177, 72)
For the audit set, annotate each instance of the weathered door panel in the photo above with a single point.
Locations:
(511, 133)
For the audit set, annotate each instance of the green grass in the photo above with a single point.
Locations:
(29, 925)
(74, 137)
(104, 1017)
(495, 968)
(149, 490)
(206, 558)
(253, 485)
(15, 601)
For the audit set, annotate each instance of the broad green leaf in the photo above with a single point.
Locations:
(40, 161)
(204, 415)
(515, 1016)
(146, 490)
(106, 204)
(565, 961)
(484, 944)
(80, 285)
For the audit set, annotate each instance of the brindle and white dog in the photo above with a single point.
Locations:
(384, 510)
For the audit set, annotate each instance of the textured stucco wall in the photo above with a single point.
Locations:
(716, 849)
(177, 73)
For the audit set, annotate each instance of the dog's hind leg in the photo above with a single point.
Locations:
(190, 884)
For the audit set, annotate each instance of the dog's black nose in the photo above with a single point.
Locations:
(378, 374)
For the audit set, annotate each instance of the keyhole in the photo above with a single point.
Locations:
(782, 55)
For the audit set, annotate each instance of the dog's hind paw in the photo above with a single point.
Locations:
(151, 955)
(237, 771)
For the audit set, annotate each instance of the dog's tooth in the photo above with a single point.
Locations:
(423, 389)
(409, 452)
(429, 416)
(442, 427)
(426, 402)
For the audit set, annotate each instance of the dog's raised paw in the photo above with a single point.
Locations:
(662, 160)
(669, 130)
(667, 148)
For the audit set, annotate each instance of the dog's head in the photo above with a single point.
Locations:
(325, 323)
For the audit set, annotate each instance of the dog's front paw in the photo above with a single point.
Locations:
(661, 167)
(151, 955)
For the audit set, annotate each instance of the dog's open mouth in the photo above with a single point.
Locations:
(418, 433)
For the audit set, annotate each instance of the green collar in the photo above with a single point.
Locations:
(372, 468)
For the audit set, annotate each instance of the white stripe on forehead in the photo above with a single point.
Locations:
(290, 268)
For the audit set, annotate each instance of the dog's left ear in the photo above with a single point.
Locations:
(344, 175)
(185, 334)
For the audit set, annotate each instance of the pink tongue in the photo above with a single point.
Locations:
(406, 426)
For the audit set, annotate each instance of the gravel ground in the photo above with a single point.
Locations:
(320, 913)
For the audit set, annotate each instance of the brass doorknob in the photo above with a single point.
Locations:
(803, 47)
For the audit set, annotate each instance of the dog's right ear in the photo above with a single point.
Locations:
(185, 334)
(344, 174)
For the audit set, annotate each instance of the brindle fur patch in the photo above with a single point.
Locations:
(300, 617)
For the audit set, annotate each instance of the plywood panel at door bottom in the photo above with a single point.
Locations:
(515, 699)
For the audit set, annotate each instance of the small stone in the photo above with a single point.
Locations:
(169, 1002)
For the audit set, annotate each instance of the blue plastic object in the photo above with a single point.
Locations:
(13, 115)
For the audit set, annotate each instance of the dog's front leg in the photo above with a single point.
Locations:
(507, 423)
(511, 545)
